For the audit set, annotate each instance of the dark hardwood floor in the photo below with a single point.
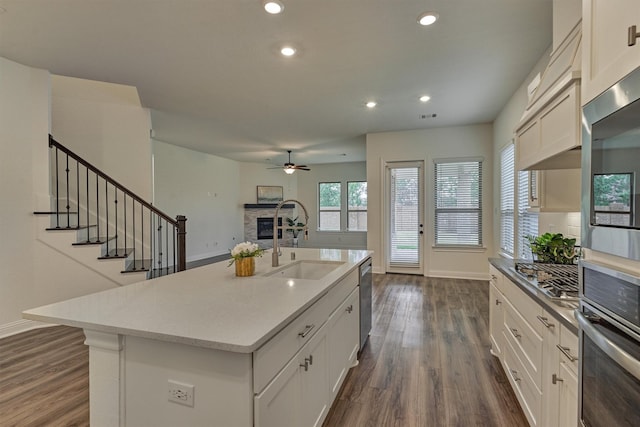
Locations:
(427, 363)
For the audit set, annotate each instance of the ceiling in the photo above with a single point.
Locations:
(213, 77)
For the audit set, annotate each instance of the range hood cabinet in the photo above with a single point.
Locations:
(548, 135)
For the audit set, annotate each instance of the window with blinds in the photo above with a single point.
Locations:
(458, 204)
(329, 204)
(527, 221)
(507, 200)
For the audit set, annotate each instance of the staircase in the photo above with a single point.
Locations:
(101, 224)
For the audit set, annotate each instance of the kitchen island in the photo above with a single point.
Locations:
(203, 347)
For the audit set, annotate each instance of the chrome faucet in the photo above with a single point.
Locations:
(305, 228)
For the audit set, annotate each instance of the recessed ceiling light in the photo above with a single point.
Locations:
(288, 51)
(427, 18)
(425, 98)
(371, 104)
(273, 7)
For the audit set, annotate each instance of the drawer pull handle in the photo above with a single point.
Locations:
(309, 359)
(514, 375)
(555, 379)
(633, 35)
(567, 352)
(306, 331)
(545, 322)
(515, 333)
(306, 365)
(494, 277)
(350, 308)
(498, 302)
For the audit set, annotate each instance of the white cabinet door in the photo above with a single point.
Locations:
(298, 395)
(344, 336)
(607, 56)
(568, 398)
(315, 384)
(496, 317)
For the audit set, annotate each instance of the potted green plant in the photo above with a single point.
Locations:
(293, 222)
(553, 248)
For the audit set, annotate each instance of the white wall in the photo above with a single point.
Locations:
(308, 195)
(428, 145)
(204, 188)
(31, 273)
(254, 174)
(105, 124)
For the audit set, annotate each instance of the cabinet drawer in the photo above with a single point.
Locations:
(525, 306)
(343, 289)
(528, 394)
(526, 342)
(497, 278)
(269, 359)
(569, 349)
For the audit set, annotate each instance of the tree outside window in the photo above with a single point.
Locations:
(357, 206)
(330, 206)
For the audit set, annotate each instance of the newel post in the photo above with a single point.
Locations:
(182, 242)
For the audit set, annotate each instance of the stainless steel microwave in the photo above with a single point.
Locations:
(611, 170)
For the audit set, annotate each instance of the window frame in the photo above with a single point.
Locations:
(339, 210)
(455, 210)
(365, 210)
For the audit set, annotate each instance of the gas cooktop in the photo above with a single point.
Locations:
(558, 281)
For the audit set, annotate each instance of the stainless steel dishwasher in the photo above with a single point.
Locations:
(365, 301)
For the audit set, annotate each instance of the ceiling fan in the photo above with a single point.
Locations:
(290, 168)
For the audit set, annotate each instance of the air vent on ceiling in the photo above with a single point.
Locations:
(427, 116)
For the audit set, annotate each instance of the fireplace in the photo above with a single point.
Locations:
(265, 228)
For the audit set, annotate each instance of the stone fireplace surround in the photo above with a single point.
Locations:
(254, 211)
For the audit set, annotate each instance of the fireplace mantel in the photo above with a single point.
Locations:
(266, 206)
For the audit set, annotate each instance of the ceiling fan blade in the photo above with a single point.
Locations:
(302, 168)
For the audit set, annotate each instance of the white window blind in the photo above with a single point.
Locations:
(458, 211)
(404, 216)
(527, 221)
(507, 200)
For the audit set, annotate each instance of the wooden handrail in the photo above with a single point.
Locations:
(54, 143)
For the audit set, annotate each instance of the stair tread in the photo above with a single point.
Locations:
(55, 213)
(72, 227)
(94, 241)
(117, 253)
(137, 266)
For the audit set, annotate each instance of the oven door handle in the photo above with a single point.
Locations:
(611, 349)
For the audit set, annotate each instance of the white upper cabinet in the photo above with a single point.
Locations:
(607, 55)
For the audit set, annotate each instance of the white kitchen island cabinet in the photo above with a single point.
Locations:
(257, 351)
(607, 56)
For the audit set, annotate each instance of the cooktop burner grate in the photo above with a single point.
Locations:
(555, 280)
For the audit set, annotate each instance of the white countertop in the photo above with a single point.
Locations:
(206, 306)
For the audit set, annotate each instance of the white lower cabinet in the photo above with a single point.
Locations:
(298, 396)
(344, 335)
(539, 355)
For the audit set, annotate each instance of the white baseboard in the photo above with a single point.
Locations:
(19, 326)
(457, 275)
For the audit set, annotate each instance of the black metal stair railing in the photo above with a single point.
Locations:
(127, 226)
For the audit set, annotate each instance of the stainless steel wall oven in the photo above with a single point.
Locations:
(611, 170)
(609, 330)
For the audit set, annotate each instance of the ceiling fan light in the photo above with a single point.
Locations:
(288, 170)
(427, 18)
(273, 7)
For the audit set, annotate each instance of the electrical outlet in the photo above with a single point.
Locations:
(181, 393)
